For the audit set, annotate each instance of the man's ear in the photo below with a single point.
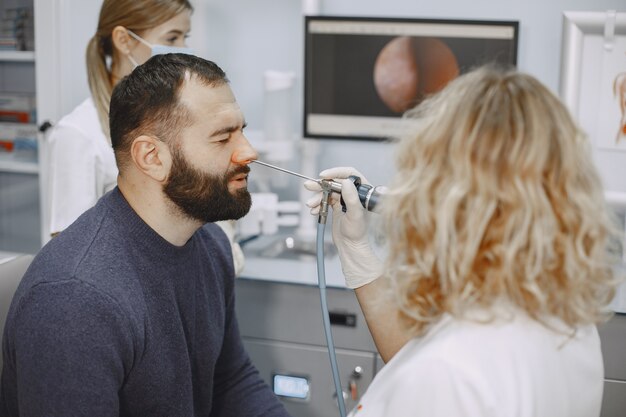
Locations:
(122, 41)
(152, 157)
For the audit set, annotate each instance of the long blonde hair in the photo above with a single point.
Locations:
(496, 197)
(136, 15)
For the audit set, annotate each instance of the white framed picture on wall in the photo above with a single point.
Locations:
(593, 86)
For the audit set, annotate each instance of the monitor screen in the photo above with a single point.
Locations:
(362, 74)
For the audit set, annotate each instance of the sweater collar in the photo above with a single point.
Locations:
(140, 233)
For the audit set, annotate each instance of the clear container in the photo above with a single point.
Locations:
(278, 111)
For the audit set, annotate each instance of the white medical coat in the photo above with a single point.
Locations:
(81, 165)
(511, 368)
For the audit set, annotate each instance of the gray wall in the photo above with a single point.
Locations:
(247, 37)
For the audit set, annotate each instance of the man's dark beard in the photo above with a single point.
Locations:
(206, 197)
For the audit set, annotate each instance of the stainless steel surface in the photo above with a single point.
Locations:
(291, 313)
(613, 336)
(289, 247)
(311, 362)
(283, 334)
(614, 399)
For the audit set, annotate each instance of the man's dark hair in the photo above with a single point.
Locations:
(146, 102)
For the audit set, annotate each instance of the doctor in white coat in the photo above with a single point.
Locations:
(499, 261)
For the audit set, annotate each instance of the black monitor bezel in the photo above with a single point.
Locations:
(307, 59)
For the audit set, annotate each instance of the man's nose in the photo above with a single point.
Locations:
(244, 153)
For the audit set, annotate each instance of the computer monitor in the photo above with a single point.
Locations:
(362, 74)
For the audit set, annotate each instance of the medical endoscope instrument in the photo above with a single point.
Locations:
(369, 197)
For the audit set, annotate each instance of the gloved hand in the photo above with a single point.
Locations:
(359, 263)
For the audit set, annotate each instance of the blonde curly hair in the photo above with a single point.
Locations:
(496, 198)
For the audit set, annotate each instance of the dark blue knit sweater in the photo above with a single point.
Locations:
(112, 320)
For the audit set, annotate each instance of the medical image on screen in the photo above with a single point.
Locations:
(408, 68)
(359, 80)
(385, 76)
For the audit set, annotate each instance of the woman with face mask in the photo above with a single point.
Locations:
(81, 160)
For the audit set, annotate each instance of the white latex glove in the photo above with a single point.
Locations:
(359, 263)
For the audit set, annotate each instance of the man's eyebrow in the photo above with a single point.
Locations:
(228, 129)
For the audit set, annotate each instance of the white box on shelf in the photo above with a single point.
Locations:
(12, 131)
(17, 102)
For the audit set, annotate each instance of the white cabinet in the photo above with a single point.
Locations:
(55, 73)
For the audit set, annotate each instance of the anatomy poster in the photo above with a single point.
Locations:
(611, 126)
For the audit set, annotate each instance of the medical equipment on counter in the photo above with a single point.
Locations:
(369, 197)
(267, 214)
(279, 138)
(307, 225)
(278, 126)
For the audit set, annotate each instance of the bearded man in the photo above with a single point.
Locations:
(130, 310)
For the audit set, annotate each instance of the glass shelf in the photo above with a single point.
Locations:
(17, 56)
(10, 164)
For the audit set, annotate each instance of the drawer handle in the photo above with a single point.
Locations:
(342, 319)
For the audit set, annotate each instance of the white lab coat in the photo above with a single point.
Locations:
(511, 368)
(81, 166)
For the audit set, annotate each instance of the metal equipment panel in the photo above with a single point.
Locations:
(314, 395)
